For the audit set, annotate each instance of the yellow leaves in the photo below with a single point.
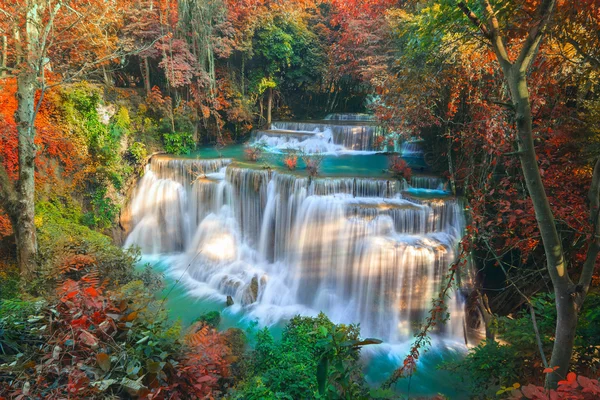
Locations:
(508, 389)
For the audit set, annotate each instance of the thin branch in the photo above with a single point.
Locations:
(594, 244)
(532, 42)
(474, 19)
(496, 37)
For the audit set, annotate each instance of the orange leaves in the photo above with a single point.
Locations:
(207, 361)
(57, 159)
(77, 262)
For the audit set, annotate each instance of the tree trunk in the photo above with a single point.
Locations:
(565, 304)
(23, 224)
(487, 315)
(269, 107)
(262, 110)
(3, 56)
(146, 75)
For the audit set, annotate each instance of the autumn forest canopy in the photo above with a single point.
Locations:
(328, 199)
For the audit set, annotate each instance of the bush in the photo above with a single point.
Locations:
(291, 161)
(136, 154)
(94, 343)
(287, 369)
(399, 168)
(491, 366)
(488, 367)
(313, 162)
(255, 151)
(103, 213)
(212, 319)
(61, 234)
(179, 143)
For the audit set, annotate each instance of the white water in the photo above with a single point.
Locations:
(352, 248)
(332, 136)
(278, 140)
(350, 117)
(411, 149)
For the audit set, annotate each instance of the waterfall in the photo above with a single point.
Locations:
(350, 117)
(349, 135)
(412, 149)
(361, 250)
(307, 142)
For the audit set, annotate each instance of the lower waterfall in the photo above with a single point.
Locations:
(361, 250)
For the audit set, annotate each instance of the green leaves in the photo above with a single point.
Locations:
(179, 143)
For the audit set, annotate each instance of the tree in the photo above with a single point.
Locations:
(512, 33)
(569, 295)
(51, 42)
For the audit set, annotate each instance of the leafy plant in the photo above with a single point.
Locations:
(293, 368)
(179, 143)
(136, 153)
(255, 151)
(103, 212)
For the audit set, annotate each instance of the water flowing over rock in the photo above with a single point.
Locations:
(327, 135)
(362, 250)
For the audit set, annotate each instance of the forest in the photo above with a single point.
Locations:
(299, 199)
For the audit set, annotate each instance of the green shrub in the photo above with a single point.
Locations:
(287, 369)
(20, 327)
(136, 154)
(61, 233)
(179, 143)
(487, 367)
(103, 213)
(212, 318)
(490, 366)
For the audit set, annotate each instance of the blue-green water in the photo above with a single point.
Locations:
(379, 360)
(352, 164)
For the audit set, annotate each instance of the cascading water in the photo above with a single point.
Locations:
(412, 149)
(280, 245)
(333, 135)
(307, 142)
(350, 117)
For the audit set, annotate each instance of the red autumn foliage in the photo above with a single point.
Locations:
(399, 168)
(87, 338)
(290, 161)
(574, 387)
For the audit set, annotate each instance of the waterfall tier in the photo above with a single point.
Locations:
(354, 248)
(347, 135)
(350, 117)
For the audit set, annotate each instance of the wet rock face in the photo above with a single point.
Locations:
(251, 293)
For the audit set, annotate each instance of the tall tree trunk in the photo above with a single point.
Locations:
(565, 303)
(261, 105)
(24, 209)
(146, 66)
(269, 107)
